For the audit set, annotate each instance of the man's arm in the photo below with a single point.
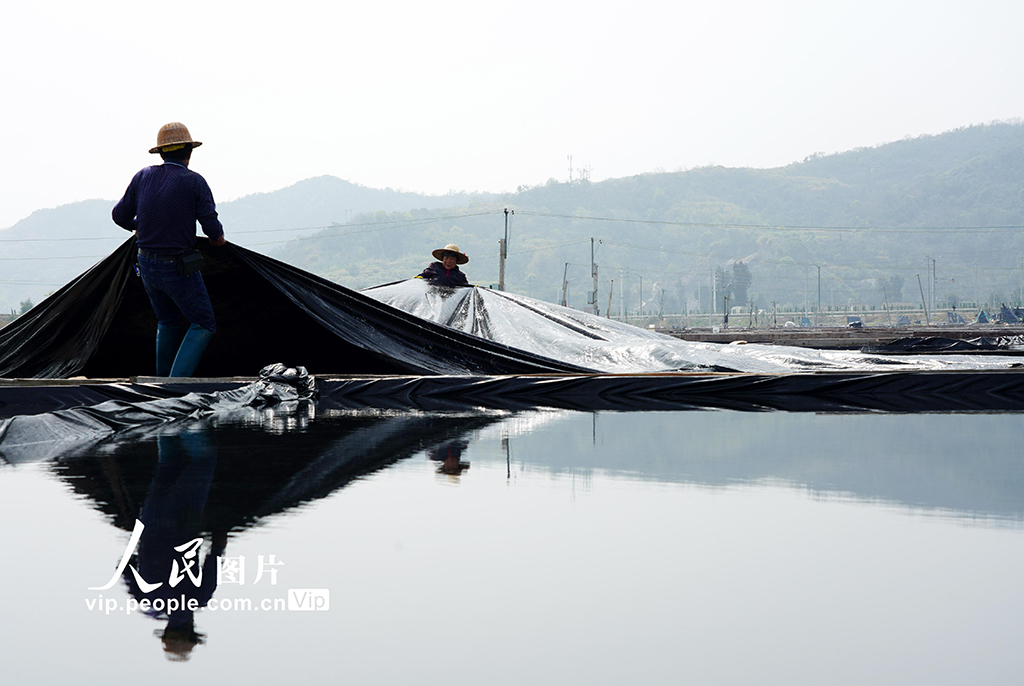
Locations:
(124, 211)
(206, 213)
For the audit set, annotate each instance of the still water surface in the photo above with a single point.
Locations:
(542, 547)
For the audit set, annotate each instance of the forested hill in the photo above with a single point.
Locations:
(52, 246)
(968, 176)
(324, 200)
(971, 177)
(782, 223)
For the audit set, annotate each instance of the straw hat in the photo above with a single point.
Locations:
(460, 258)
(174, 133)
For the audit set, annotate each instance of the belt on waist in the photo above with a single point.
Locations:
(157, 256)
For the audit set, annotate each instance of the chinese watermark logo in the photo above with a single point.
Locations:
(185, 564)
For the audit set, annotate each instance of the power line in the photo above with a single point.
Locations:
(395, 223)
(756, 258)
(62, 240)
(387, 224)
(784, 227)
(551, 246)
(33, 283)
(403, 224)
(379, 226)
(33, 259)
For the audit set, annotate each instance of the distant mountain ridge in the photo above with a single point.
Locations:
(715, 216)
(324, 200)
(973, 176)
(315, 202)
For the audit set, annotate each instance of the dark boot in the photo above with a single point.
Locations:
(191, 351)
(168, 338)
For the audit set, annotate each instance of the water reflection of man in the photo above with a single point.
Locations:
(449, 455)
(173, 517)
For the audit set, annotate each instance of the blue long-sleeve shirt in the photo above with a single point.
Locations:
(163, 203)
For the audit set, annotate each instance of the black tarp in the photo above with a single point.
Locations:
(916, 391)
(36, 433)
(912, 391)
(1011, 315)
(101, 326)
(940, 344)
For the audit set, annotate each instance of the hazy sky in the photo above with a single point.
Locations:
(436, 96)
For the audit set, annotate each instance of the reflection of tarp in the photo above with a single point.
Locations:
(917, 461)
(101, 326)
(253, 480)
(586, 340)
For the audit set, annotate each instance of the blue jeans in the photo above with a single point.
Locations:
(175, 296)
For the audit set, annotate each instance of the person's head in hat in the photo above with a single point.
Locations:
(180, 641)
(445, 272)
(174, 142)
(449, 256)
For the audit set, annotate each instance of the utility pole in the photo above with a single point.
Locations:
(819, 295)
(503, 253)
(924, 303)
(806, 304)
(565, 283)
(611, 289)
(593, 273)
(501, 264)
(714, 296)
(661, 307)
(935, 286)
(641, 295)
(888, 310)
(622, 297)
(698, 298)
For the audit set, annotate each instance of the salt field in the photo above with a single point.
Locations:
(543, 546)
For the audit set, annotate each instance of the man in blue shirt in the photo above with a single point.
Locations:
(162, 205)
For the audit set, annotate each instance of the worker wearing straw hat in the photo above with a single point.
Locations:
(162, 205)
(446, 271)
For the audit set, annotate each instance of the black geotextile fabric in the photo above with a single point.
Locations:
(914, 391)
(939, 344)
(27, 436)
(102, 326)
